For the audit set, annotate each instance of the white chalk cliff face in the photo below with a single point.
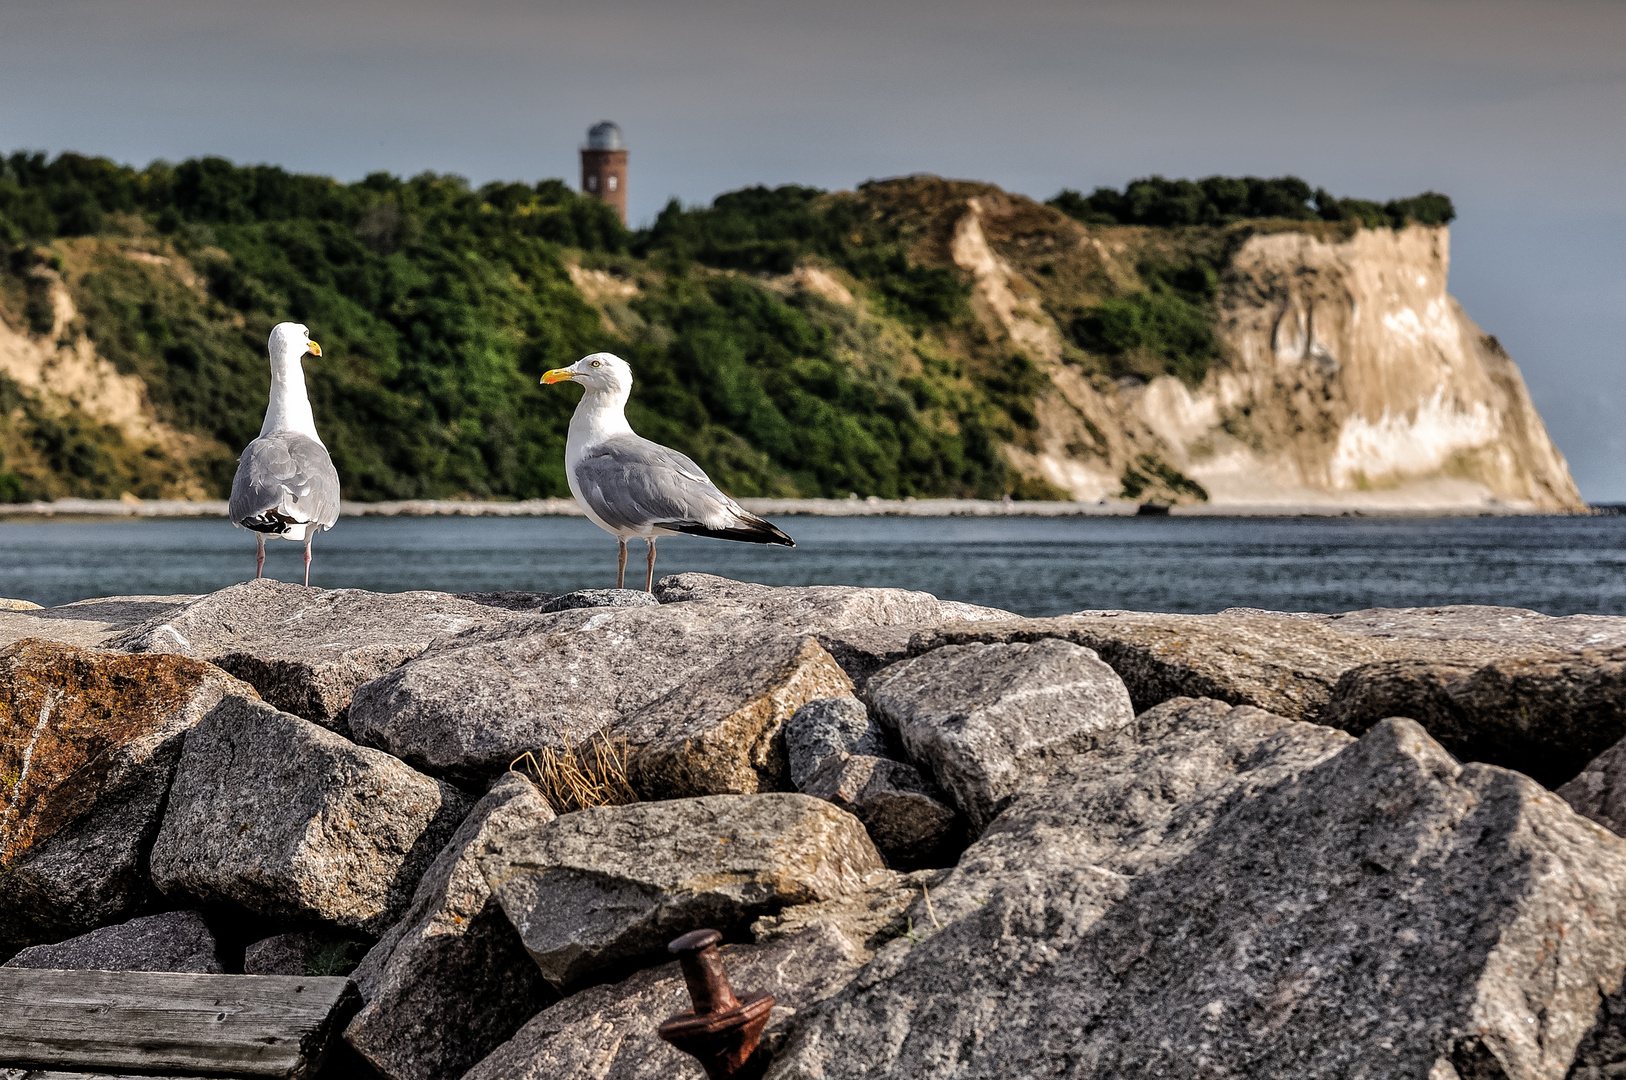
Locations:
(1353, 378)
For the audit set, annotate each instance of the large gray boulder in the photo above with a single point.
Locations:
(608, 1032)
(829, 727)
(988, 721)
(1545, 717)
(606, 888)
(903, 813)
(720, 731)
(451, 981)
(88, 744)
(174, 941)
(294, 822)
(85, 623)
(1221, 892)
(470, 705)
(306, 650)
(1500, 685)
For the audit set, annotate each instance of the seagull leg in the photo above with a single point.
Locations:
(649, 578)
(259, 555)
(621, 567)
(308, 540)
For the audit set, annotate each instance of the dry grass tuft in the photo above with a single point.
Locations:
(577, 777)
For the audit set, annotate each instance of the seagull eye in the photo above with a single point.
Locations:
(596, 363)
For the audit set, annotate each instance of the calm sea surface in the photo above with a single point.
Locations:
(1035, 566)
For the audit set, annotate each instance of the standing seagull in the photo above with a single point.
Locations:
(285, 484)
(630, 486)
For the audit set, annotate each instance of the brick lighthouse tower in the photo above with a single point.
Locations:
(604, 166)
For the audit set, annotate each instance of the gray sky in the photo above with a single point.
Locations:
(1516, 110)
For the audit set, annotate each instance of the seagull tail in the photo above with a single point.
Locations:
(747, 528)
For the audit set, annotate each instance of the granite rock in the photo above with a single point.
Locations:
(1545, 717)
(608, 1032)
(451, 980)
(1144, 914)
(306, 650)
(720, 731)
(279, 954)
(988, 721)
(904, 814)
(85, 623)
(88, 744)
(604, 889)
(827, 727)
(174, 941)
(291, 821)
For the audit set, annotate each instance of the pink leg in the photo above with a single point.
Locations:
(621, 567)
(308, 540)
(259, 555)
(649, 578)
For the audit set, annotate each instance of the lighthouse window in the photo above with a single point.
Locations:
(592, 183)
(610, 182)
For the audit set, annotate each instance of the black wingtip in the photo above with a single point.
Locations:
(749, 530)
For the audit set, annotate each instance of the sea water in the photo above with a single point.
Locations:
(1034, 566)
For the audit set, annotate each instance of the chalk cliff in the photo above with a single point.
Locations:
(1348, 375)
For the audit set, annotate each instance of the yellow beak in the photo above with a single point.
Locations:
(558, 374)
(315, 349)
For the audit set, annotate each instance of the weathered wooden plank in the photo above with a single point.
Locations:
(155, 1022)
(49, 1074)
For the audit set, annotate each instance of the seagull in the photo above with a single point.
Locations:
(286, 484)
(630, 486)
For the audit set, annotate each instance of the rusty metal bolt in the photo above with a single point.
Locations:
(722, 1030)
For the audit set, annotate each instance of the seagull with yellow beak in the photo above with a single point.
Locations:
(630, 486)
(286, 484)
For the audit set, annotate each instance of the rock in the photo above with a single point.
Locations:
(88, 743)
(826, 727)
(173, 941)
(469, 705)
(1222, 892)
(875, 915)
(608, 887)
(9, 604)
(306, 650)
(608, 1032)
(1273, 661)
(292, 821)
(542, 603)
(451, 981)
(901, 811)
(1544, 717)
(1520, 628)
(599, 598)
(988, 721)
(1602, 1053)
(280, 954)
(719, 732)
(1500, 685)
(863, 629)
(1599, 792)
(86, 623)
(508, 600)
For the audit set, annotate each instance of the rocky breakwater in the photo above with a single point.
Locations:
(948, 840)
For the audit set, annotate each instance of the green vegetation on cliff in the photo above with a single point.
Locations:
(793, 341)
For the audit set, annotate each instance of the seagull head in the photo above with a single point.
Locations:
(600, 371)
(290, 342)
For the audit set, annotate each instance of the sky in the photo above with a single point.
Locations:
(1517, 110)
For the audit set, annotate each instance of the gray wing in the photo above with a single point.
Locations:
(630, 482)
(282, 479)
